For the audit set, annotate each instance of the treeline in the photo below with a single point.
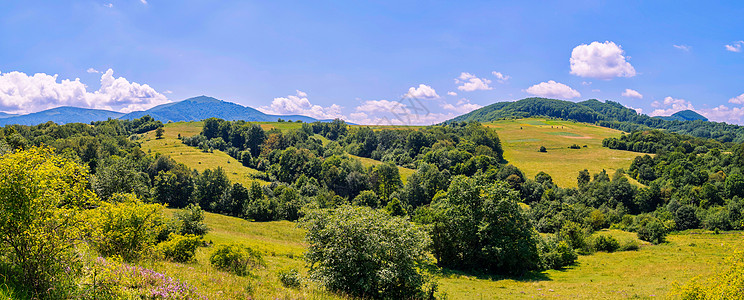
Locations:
(607, 114)
(655, 141)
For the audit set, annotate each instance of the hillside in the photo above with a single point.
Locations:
(203, 107)
(61, 115)
(607, 114)
(192, 157)
(522, 138)
(650, 272)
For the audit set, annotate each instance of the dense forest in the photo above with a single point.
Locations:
(607, 114)
(464, 204)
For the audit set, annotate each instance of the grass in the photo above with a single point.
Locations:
(522, 138)
(366, 162)
(649, 272)
(194, 158)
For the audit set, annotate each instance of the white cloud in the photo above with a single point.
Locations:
(472, 83)
(737, 100)
(638, 110)
(500, 77)
(144, 2)
(596, 90)
(723, 113)
(683, 47)
(735, 46)
(463, 106)
(422, 92)
(20, 93)
(586, 83)
(452, 93)
(385, 106)
(600, 60)
(92, 71)
(670, 106)
(552, 89)
(109, 5)
(632, 94)
(298, 104)
(167, 92)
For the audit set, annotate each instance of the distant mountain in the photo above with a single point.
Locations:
(192, 109)
(685, 115)
(61, 115)
(203, 107)
(6, 115)
(608, 114)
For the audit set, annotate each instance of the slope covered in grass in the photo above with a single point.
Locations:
(522, 138)
(192, 157)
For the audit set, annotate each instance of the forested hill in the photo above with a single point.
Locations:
(608, 114)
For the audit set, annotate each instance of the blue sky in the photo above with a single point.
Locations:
(366, 61)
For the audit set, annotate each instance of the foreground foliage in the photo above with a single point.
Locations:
(366, 253)
(727, 284)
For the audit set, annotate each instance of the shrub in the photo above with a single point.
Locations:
(366, 253)
(290, 278)
(42, 203)
(543, 149)
(652, 230)
(236, 258)
(555, 253)
(574, 146)
(180, 248)
(575, 235)
(725, 284)
(629, 245)
(605, 243)
(191, 219)
(128, 228)
(685, 218)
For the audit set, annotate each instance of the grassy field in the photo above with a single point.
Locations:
(192, 157)
(650, 272)
(521, 140)
(366, 162)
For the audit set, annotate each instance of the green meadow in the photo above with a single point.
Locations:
(650, 272)
(522, 138)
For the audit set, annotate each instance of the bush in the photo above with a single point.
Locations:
(629, 245)
(180, 248)
(543, 149)
(42, 202)
(555, 253)
(236, 258)
(605, 243)
(128, 228)
(575, 235)
(290, 278)
(191, 219)
(574, 146)
(366, 253)
(725, 284)
(652, 231)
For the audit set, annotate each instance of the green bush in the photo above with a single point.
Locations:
(290, 278)
(128, 228)
(180, 248)
(192, 218)
(555, 253)
(605, 243)
(543, 149)
(652, 230)
(236, 258)
(575, 235)
(629, 245)
(366, 253)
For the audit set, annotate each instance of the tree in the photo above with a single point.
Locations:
(159, 133)
(42, 201)
(479, 226)
(366, 253)
(386, 180)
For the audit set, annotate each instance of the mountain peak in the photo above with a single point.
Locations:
(685, 115)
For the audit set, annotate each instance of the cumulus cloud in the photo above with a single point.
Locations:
(586, 83)
(469, 82)
(724, 113)
(735, 46)
(422, 92)
(600, 60)
(552, 89)
(500, 77)
(21, 93)
(385, 106)
(737, 100)
(144, 2)
(92, 71)
(452, 93)
(670, 106)
(632, 94)
(463, 106)
(683, 47)
(298, 104)
(638, 110)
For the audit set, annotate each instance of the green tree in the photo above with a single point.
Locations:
(191, 221)
(480, 226)
(42, 201)
(386, 179)
(159, 133)
(366, 253)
